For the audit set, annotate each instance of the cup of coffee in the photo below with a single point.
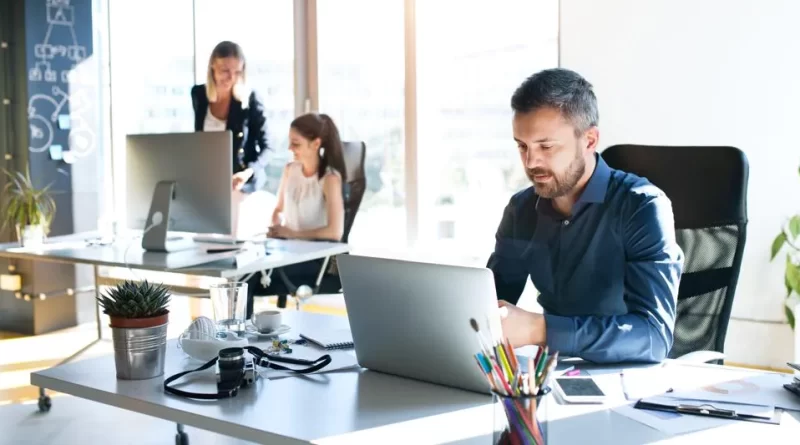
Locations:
(267, 321)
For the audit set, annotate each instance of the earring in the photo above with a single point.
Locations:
(322, 151)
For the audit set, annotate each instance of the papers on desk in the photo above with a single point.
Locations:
(341, 360)
(741, 391)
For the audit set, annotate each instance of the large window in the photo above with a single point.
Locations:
(151, 73)
(265, 31)
(469, 61)
(361, 81)
(469, 57)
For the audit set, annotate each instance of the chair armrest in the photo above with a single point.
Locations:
(701, 357)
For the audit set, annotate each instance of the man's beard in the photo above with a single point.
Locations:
(558, 185)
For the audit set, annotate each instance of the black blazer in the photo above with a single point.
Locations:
(249, 128)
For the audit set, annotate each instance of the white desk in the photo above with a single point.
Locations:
(79, 249)
(76, 249)
(353, 407)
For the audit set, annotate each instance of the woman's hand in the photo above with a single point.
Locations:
(239, 179)
(277, 231)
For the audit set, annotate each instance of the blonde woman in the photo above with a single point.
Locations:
(224, 103)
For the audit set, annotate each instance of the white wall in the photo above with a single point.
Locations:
(703, 72)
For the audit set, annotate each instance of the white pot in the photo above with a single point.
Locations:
(31, 236)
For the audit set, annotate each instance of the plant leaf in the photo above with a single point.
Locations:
(789, 316)
(793, 275)
(794, 226)
(777, 244)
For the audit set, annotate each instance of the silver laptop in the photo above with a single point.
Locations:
(411, 319)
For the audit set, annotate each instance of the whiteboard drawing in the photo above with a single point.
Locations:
(81, 136)
(60, 15)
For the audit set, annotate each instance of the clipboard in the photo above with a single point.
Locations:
(751, 413)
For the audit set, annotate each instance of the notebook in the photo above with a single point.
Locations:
(330, 339)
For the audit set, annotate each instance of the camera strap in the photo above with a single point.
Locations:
(262, 359)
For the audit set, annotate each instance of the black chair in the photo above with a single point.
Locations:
(708, 190)
(353, 192)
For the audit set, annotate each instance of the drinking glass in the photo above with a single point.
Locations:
(229, 301)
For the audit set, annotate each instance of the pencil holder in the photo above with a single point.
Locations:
(519, 419)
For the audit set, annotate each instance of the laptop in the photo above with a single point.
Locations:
(412, 319)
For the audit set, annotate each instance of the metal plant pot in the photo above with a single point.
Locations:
(139, 351)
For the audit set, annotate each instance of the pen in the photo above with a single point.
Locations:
(568, 370)
(624, 388)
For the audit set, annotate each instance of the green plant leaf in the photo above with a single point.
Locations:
(789, 316)
(794, 226)
(793, 275)
(777, 244)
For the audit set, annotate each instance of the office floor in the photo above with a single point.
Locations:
(74, 421)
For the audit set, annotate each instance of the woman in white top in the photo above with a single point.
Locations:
(310, 203)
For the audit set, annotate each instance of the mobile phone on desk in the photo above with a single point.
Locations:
(579, 389)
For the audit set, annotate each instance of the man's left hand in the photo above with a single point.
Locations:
(521, 327)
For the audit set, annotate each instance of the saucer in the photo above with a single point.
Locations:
(253, 331)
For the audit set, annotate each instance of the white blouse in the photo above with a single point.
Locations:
(303, 199)
(211, 123)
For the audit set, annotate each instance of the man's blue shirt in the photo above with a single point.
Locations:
(607, 276)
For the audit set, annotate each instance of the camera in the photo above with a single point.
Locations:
(234, 370)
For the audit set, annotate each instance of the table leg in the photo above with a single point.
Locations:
(96, 301)
(44, 400)
(181, 438)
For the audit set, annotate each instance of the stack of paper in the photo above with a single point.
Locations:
(741, 391)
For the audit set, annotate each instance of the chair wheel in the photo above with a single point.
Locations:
(45, 404)
(182, 439)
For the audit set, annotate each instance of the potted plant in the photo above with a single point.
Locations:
(28, 209)
(789, 238)
(139, 317)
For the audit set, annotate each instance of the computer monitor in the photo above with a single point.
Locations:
(179, 182)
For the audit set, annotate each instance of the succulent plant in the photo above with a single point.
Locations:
(133, 299)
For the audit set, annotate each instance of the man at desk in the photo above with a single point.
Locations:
(598, 243)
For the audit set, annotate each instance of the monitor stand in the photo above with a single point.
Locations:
(157, 238)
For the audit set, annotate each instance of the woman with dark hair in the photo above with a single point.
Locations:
(310, 202)
(224, 102)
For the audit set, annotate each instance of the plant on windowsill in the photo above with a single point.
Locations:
(139, 317)
(28, 209)
(790, 238)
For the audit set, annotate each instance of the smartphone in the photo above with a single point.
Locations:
(579, 389)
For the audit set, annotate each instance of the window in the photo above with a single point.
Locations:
(361, 86)
(469, 61)
(151, 75)
(265, 31)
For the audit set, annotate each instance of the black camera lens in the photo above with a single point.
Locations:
(231, 366)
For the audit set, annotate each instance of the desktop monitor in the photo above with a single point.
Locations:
(179, 182)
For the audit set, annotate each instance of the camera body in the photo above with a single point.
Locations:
(235, 370)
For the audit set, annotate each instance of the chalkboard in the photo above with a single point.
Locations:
(62, 96)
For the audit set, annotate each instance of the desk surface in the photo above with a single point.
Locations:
(76, 249)
(352, 407)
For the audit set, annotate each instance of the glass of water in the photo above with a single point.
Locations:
(229, 301)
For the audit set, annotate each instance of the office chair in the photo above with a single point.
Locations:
(708, 190)
(353, 192)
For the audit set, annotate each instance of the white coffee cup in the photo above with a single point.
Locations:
(267, 321)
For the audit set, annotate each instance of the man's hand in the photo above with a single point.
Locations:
(239, 179)
(521, 327)
(280, 232)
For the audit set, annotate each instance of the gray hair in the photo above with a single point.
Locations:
(561, 89)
